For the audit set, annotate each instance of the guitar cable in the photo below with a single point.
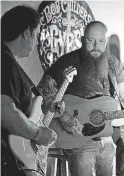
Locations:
(31, 170)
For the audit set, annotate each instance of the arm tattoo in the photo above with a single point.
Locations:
(48, 89)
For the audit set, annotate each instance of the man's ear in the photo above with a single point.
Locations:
(26, 34)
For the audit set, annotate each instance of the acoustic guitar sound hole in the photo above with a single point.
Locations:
(90, 130)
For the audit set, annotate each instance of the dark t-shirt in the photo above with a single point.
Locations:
(14, 84)
(85, 84)
(13, 81)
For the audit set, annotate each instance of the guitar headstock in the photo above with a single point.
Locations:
(69, 73)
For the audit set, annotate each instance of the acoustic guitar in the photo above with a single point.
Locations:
(95, 114)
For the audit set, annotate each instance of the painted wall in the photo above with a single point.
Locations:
(109, 12)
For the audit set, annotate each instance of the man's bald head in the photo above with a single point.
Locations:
(95, 25)
(95, 37)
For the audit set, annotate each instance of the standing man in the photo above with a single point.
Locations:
(19, 31)
(93, 63)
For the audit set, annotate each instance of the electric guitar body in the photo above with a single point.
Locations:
(21, 147)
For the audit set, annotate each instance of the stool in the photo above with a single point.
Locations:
(60, 160)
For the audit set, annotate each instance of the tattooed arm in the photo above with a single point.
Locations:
(119, 73)
(48, 89)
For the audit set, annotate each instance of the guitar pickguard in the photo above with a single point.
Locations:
(90, 130)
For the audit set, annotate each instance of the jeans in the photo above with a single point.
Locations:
(95, 158)
(120, 157)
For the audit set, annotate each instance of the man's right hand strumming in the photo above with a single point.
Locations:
(45, 136)
(71, 124)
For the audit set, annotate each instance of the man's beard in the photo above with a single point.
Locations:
(95, 54)
(95, 66)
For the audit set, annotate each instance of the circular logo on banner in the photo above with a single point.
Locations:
(62, 25)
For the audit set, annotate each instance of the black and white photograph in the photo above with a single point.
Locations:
(62, 88)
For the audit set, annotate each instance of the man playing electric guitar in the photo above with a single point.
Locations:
(19, 30)
(92, 88)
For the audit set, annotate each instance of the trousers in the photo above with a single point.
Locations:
(94, 158)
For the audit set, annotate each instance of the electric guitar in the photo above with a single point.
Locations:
(95, 114)
(31, 156)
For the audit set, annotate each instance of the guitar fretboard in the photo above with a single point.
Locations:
(59, 95)
(114, 115)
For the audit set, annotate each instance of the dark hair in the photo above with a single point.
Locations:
(17, 20)
(93, 23)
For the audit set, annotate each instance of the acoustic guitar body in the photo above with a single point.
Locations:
(84, 107)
